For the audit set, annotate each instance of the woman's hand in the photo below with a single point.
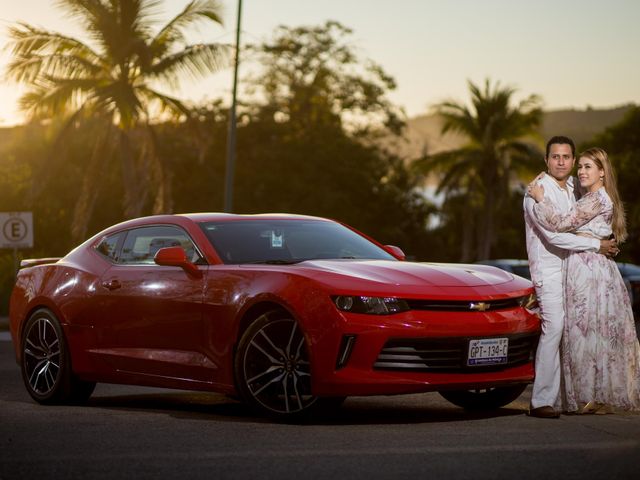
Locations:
(535, 190)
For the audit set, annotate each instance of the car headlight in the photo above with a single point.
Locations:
(370, 305)
(530, 302)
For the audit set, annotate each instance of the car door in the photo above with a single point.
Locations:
(150, 319)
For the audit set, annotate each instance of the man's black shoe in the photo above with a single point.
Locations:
(543, 412)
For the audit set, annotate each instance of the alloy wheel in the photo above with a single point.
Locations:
(42, 356)
(275, 366)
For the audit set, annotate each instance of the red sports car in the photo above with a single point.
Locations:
(288, 312)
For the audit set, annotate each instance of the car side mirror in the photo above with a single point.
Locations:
(176, 257)
(395, 251)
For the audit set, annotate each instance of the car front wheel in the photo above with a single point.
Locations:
(46, 363)
(484, 399)
(272, 368)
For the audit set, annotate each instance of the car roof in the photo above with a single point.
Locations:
(182, 218)
(212, 217)
(187, 220)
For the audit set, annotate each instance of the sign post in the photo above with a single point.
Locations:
(16, 232)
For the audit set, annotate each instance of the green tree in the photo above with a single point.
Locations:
(313, 76)
(487, 167)
(307, 143)
(322, 171)
(111, 82)
(622, 144)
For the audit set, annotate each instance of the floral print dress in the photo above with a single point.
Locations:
(600, 350)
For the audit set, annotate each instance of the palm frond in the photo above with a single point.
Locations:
(30, 43)
(458, 178)
(457, 167)
(527, 159)
(165, 103)
(55, 96)
(441, 161)
(458, 118)
(109, 22)
(195, 61)
(31, 68)
(173, 32)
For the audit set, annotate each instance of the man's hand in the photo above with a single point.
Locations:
(609, 248)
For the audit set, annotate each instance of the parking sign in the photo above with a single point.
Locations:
(16, 230)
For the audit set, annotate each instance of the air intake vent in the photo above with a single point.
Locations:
(448, 355)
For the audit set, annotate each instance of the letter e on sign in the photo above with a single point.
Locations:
(16, 230)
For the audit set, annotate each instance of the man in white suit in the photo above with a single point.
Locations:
(546, 251)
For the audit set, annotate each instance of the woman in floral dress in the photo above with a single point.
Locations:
(600, 350)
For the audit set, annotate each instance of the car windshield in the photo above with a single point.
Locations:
(288, 241)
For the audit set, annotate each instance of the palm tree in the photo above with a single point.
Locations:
(112, 81)
(485, 168)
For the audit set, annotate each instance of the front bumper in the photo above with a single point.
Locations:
(370, 369)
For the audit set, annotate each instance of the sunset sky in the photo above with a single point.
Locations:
(574, 53)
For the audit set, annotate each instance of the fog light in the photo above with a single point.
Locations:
(346, 347)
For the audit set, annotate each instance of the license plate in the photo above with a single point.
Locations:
(488, 351)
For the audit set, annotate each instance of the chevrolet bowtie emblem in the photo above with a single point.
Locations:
(480, 306)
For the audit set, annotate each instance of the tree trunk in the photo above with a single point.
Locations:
(466, 255)
(135, 178)
(486, 238)
(163, 202)
(90, 187)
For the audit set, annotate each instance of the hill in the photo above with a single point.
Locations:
(423, 135)
(581, 125)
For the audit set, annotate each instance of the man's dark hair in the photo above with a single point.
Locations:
(562, 140)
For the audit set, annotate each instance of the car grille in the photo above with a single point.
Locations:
(463, 306)
(449, 354)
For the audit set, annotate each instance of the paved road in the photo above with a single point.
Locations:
(132, 432)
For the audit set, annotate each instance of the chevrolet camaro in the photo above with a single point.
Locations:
(289, 313)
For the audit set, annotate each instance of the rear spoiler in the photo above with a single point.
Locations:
(32, 262)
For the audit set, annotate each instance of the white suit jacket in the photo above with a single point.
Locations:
(547, 250)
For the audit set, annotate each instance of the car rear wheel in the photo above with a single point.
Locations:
(272, 368)
(46, 363)
(485, 398)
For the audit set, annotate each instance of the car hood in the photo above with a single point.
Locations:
(356, 274)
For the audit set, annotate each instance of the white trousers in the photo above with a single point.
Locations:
(546, 386)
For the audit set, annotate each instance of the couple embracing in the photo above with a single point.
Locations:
(588, 358)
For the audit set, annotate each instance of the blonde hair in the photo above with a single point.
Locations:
(618, 222)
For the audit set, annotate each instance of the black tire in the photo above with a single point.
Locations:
(273, 372)
(484, 399)
(46, 363)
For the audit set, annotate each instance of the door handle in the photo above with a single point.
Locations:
(111, 284)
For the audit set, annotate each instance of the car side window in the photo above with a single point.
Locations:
(108, 246)
(141, 244)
